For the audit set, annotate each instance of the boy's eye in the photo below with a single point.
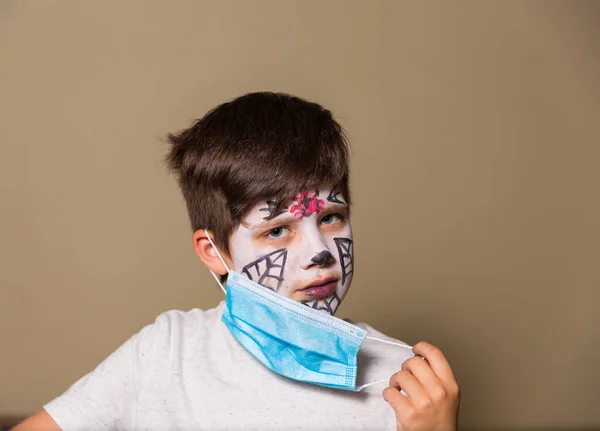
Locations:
(278, 232)
(330, 218)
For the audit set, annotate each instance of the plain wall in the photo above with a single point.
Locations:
(475, 133)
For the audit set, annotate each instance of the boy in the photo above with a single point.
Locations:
(265, 180)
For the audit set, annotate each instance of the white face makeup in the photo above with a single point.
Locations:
(304, 252)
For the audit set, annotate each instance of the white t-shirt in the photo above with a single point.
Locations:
(187, 372)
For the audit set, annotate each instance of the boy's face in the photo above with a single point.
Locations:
(303, 252)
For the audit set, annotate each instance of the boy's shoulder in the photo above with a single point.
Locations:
(177, 319)
(177, 330)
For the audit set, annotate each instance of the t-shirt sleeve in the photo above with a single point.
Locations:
(103, 399)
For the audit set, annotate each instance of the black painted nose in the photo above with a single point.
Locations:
(322, 258)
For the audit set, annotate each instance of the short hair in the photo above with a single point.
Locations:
(255, 147)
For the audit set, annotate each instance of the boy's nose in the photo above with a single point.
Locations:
(322, 258)
(315, 250)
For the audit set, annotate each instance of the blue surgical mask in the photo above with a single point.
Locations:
(291, 339)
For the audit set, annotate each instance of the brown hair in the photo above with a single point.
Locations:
(258, 146)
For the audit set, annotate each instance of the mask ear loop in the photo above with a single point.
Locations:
(366, 385)
(222, 261)
(393, 343)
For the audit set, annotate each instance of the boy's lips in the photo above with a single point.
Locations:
(319, 288)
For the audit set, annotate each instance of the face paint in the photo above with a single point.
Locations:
(270, 209)
(303, 252)
(267, 270)
(322, 258)
(307, 205)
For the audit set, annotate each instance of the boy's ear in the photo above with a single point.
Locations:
(207, 253)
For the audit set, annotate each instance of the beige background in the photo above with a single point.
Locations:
(475, 174)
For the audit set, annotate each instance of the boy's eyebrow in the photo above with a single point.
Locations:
(273, 218)
(271, 209)
(334, 197)
(335, 204)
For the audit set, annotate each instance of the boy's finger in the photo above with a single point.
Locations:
(437, 361)
(404, 380)
(421, 370)
(396, 400)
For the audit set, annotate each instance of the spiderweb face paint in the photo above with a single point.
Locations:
(302, 251)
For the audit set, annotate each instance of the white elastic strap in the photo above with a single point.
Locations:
(389, 342)
(222, 261)
(217, 250)
(219, 282)
(393, 343)
(366, 385)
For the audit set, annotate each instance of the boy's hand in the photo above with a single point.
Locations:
(433, 394)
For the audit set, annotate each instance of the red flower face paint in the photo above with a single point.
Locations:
(307, 205)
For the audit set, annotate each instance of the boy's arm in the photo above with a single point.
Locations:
(41, 421)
